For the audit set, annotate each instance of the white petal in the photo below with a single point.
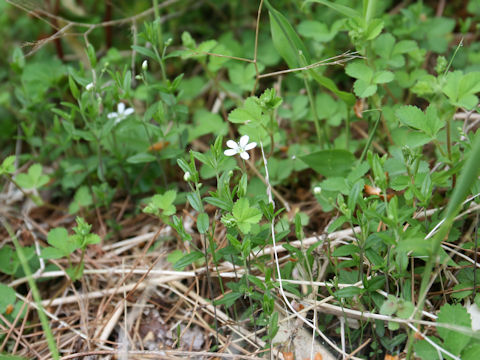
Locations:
(120, 108)
(230, 152)
(244, 155)
(244, 141)
(250, 146)
(112, 115)
(232, 144)
(128, 111)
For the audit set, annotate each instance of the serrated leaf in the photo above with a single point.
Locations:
(250, 111)
(456, 314)
(389, 306)
(59, 239)
(245, 215)
(359, 70)
(363, 89)
(405, 309)
(8, 165)
(411, 116)
(383, 77)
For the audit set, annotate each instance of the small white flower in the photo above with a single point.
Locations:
(89, 86)
(144, 65)
(121, 113)
(241, 148)
(317, 190)
(187, 176)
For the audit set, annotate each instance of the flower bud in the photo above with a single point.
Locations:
(89, 87)
(144, 65)
(187, 176)
(317, 190)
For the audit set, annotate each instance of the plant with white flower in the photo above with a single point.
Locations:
(121, 113)
(240, 148)
(89, 86)
(317, 190)
(144, 65)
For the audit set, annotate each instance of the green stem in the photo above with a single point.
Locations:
(36, 293)
(370, 139)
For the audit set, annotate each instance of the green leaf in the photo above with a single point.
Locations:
(141, 158)
(33, 179)
(91, 239)
(194, 200)
(456, 314)
(411, 116)
(330, 162)
(363, 89)
(389, 306)
(187, 260)
(426, 351)
(359, 70)
(59, 239)
(472, 352)
(165, 202)
(342, 9)
(405, 309)
(383, 77)
(144, 51)
(73, 87)
(51, 253)
(286, 41)
(228, 299)
(346, 250)
(374, 29)
(82, 198)
(250, 111)
(245, 215)
(220, 203)
(9, 261)
(7, 297)
(8, 165)
(202, 223)
(348, 292)
(330, 85)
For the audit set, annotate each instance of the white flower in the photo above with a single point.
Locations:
(89, 86)
(241, 148)
(144, 65)
(474, 312)
(317, 190)
(187, 176)
(121, 113)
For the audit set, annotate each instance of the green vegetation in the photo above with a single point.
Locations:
(223, 163)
